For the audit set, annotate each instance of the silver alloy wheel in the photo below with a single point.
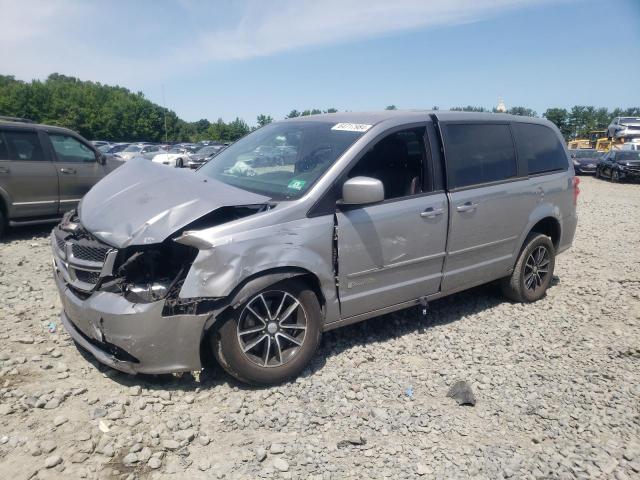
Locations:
(536, 268)
(272, 328)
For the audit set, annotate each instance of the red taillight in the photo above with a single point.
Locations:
(576, 190)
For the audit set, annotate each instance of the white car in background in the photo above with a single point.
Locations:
(176, 157)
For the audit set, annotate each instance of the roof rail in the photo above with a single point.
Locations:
(4, 118)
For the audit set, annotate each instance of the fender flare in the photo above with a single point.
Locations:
(251, 286)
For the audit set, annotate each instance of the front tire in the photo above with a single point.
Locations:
(3, 223)
(179, 163)
(615, 176)
(533, 271)
(272, 336)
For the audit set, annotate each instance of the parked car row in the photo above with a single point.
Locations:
(616, 165)
(179, 155)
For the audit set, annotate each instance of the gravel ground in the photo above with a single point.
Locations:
(557, 384)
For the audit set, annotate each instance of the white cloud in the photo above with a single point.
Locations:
(276, 26)
(119, 41)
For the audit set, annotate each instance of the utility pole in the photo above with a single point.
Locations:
(164, 104)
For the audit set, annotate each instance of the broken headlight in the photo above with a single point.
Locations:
(150, 273)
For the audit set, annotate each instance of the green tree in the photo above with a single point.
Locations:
(293, 114)
(468, 108)
(391, 107)
(331, 110)
(560, 117)
(263, 120)
(522, 111)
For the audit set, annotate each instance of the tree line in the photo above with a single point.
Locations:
(106, 112)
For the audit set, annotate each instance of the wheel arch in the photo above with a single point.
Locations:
(261, 280)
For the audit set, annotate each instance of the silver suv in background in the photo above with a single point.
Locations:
(44, 172)
(624, 127)
(254, 258)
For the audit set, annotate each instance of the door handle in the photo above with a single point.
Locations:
(432, 212)
(467, 207)
(68, 171)
(4, 170)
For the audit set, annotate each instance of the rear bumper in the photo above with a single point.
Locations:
(132, 338)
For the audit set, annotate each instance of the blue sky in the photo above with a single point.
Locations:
(241, 58)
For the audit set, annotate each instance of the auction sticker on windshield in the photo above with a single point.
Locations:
(296, 184)
(351, 127)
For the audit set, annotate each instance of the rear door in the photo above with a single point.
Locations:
(28, 178)
(77, 166)
(392, 252)
(488, 207)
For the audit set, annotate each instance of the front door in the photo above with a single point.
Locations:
(78, 169)
(392, 252)
(27, 176)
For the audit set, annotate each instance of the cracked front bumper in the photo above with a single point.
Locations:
(130, 337)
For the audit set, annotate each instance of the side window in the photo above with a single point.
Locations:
(23, 146)
(397, 161)
(540, 148)
(4, 150)
(479, 153)
(68, 149)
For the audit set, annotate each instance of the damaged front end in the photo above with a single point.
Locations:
(124, 305)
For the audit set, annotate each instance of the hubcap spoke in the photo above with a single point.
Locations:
(278, 349)
(253, 343)
(266, 307)
(290, 338)
(267, 352)
(294, 326)
(256, 315)
(289, 311)
(251, 330)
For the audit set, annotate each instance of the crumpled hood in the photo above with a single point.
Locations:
(141, 202)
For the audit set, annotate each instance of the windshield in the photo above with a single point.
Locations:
(627, 156)
(133, 148)
(176, 150)
(586, 154)
(282, 160)
(630, 120)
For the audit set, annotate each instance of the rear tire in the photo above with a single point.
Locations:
(179, 163)
(597, 175)
(533, 271)
(3, 223)
(272, 336)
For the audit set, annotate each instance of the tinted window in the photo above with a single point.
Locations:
(4, 150)
(396, 161)
(624, 156)
(540, 148)
(479, 154)
(68, 149)
(23, 146)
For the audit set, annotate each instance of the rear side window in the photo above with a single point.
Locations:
(23, 146)
(539, 147)
(479, 153)
(4, 151)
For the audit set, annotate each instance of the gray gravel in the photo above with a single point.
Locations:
(556, 384)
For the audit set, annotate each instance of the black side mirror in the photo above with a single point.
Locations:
(102, 158)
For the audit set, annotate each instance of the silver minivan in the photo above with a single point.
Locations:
(254, 257)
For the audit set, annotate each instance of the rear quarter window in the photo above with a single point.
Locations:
(538, 146)
(23, 146)
(479, 153)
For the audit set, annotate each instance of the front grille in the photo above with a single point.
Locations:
(85, 264)
(60, 242)
(87, 276)
(92, 254)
